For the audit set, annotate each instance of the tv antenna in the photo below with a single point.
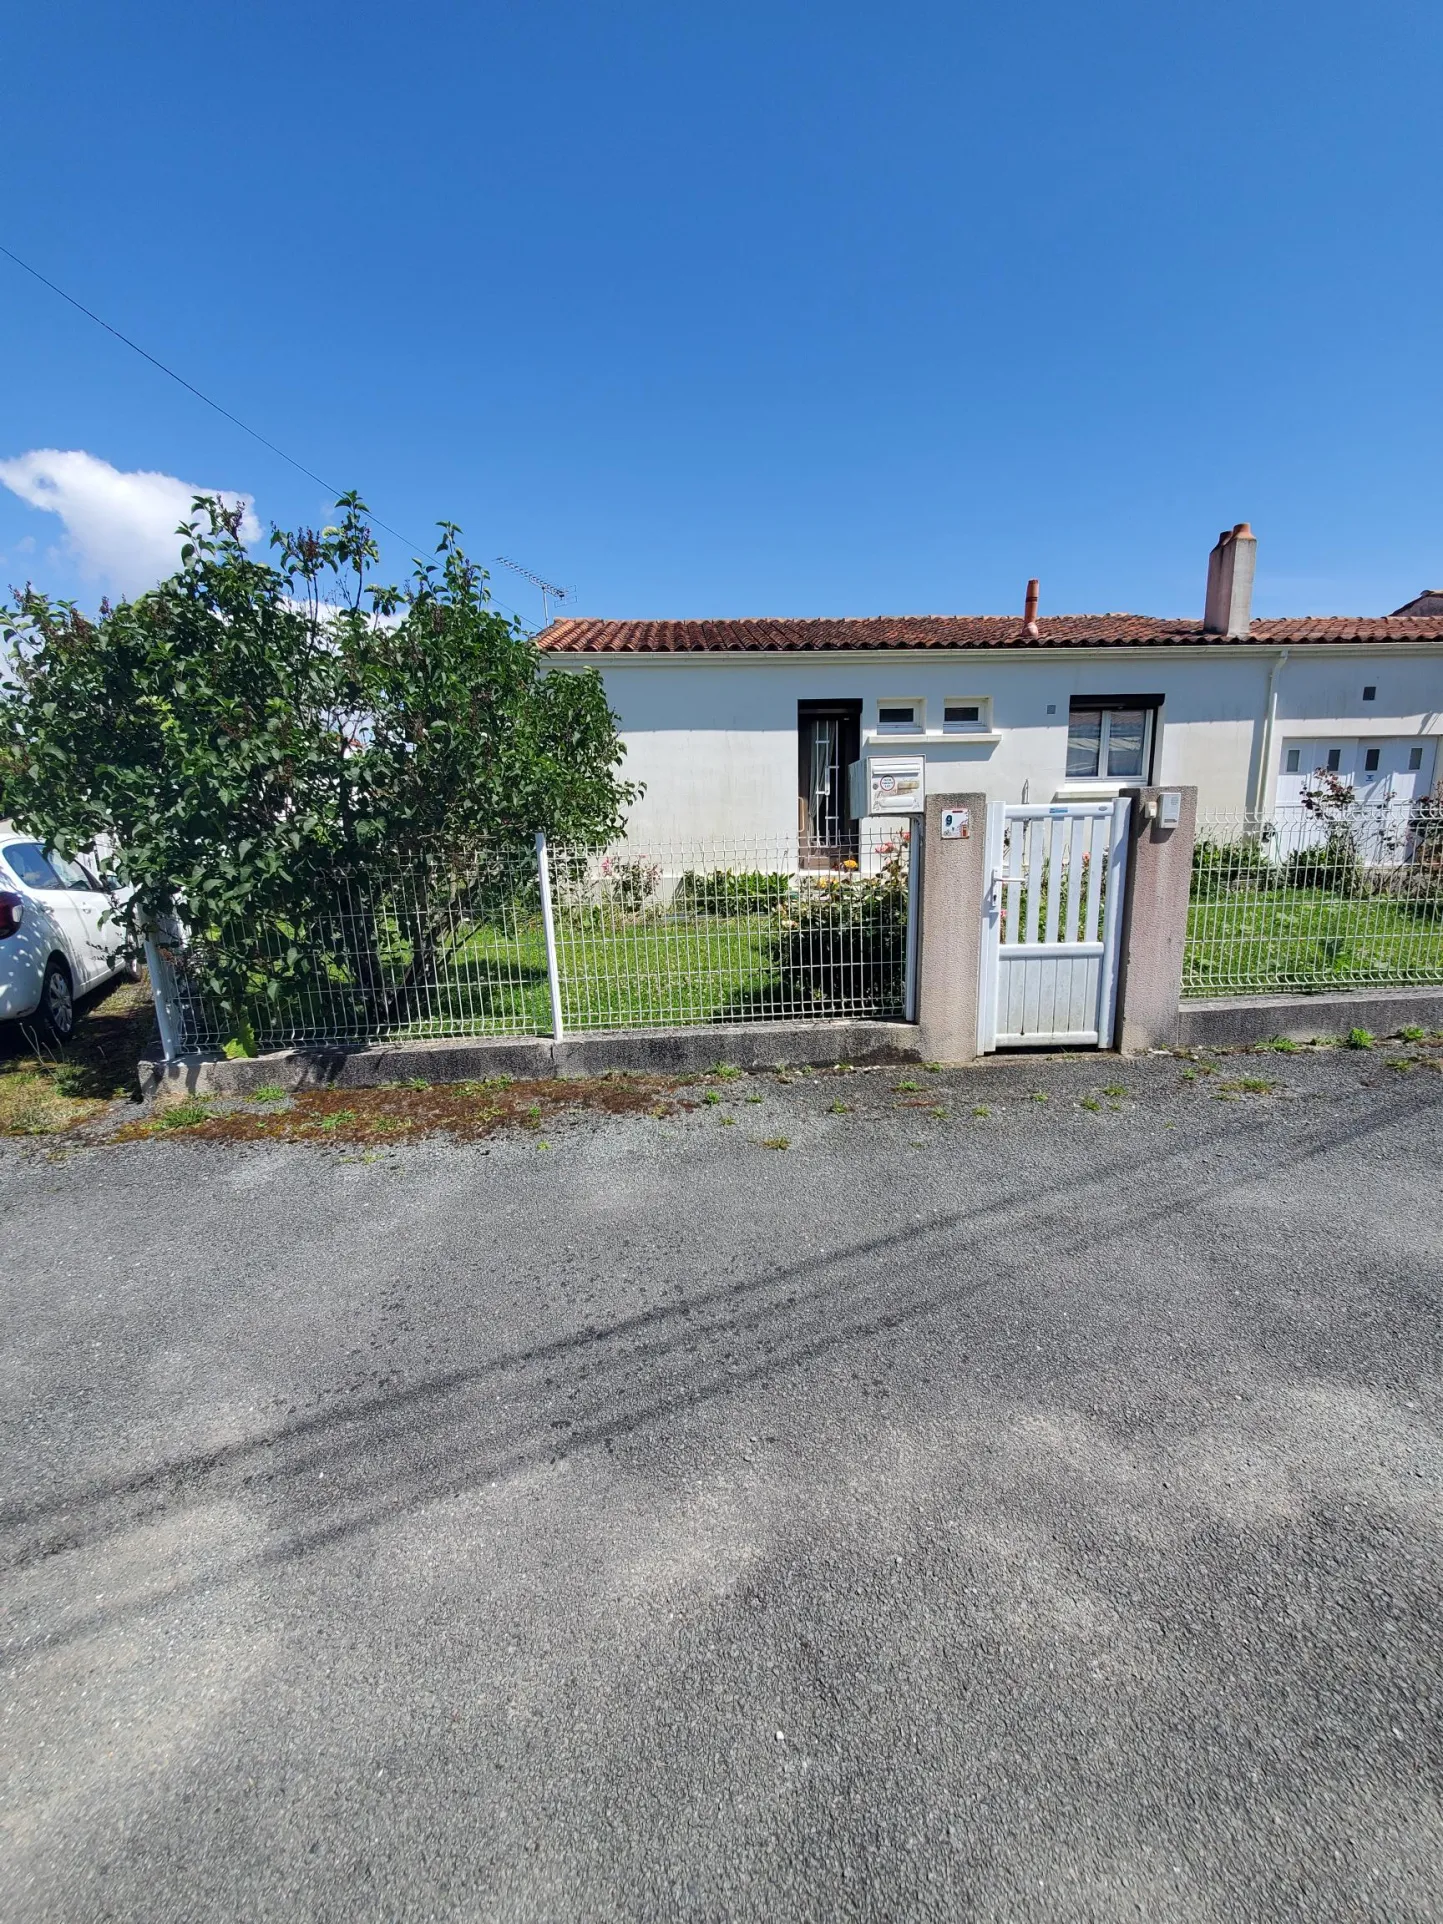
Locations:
(549, 590)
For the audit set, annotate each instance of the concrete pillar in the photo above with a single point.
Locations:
(947, 963)
(1154, 920)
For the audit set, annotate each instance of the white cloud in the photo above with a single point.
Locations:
(120, 528)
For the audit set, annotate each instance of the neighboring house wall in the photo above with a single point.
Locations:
(714, 737)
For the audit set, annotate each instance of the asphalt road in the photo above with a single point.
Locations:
(1031, 1516)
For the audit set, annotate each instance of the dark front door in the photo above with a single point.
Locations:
(829, 740)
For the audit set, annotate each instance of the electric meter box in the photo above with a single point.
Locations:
(889, 785)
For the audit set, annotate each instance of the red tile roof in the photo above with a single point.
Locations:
(583, 636)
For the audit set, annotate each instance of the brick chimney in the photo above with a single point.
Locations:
(1231, 565)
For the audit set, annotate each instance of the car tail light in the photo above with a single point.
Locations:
(12, 912)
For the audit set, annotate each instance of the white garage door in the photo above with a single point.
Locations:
(1380, 769)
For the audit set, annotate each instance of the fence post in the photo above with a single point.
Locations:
(1154, 919)
(548, 923)
(950, 945)
(163, 990)
(914, 914)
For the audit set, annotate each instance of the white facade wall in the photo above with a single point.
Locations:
(714, 738)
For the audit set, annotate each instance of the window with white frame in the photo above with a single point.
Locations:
(1111, 738)
(964, 717)
(899, 717)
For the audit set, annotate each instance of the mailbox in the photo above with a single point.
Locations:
(888, 785)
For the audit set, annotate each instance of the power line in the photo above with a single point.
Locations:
(191, 388)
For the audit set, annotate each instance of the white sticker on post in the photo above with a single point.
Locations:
(956, 824)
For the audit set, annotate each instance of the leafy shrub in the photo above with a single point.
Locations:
(1332, 865)
(843, 942)
(1220, 868)
(630, 885)
(726, 891)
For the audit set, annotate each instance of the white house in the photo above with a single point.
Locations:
(744, 732)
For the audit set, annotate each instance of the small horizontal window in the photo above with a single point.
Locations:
(1295, 760)
(898, 717)
(1415, 757)
(962, 714)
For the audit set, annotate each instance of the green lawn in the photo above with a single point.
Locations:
(616, 973)
(659, 972)
(1283, 939)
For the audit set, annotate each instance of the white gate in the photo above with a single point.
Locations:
(1050, 923)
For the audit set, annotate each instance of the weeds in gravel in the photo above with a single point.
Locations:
(905, 1088)
(712, 1097)
(1359, 1039)
(1412, 1033)
(727, 1071)
(839, 1109)
(753, 1098)
(1281, 1045)
(32, 1106)
(982, 1112)
(1090, 1102)
(1403, 1064)
(268, 1092)
(402, 1112)
(1038, 1095)
(1247, 1086)
(777, 1142)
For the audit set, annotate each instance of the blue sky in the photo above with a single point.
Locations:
(769, 309)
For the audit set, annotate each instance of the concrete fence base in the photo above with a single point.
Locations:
(1219, 1021)
(642, 1052)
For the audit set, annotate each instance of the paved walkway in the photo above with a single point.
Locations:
(1025, 1516)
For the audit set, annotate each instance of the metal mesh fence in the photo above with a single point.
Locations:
(1329, 895)
(643, 939)
(668, 937)
(400, 955)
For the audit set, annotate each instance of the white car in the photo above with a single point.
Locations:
(58, 936)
